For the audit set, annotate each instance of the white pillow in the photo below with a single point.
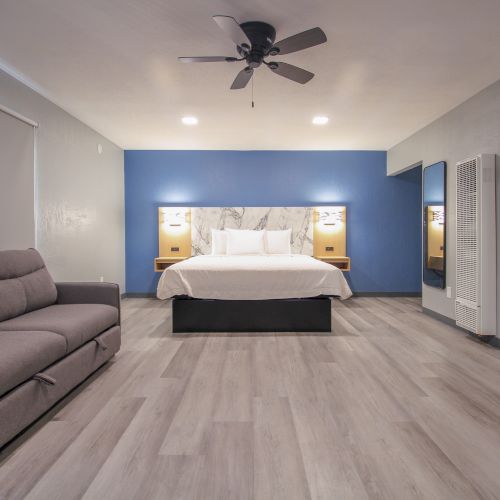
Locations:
(219, 242)
(278, 242)
(243, 241)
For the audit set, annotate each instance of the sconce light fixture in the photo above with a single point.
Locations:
(330, 216)
(174, 217)
(438, 215)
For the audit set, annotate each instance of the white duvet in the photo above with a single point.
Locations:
(252, 277)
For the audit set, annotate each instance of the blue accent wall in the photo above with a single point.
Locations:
(383, 213)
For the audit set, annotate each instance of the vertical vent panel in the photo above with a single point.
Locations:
(467, 245)
(476, 265)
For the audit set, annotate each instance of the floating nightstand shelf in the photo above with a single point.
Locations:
(343, 263)
(161, 263)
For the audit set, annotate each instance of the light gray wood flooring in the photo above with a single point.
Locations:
(393, 404)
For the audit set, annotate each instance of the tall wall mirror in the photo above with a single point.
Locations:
(434, 220)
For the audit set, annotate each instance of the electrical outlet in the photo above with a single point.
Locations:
(174, 249)
(329, 249)
(448, 292)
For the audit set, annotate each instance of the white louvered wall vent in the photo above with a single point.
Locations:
(475, 304)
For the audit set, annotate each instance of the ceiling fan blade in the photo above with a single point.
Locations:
(242, 78)
(291, 72)
(207, 59)
(301, 41)
(233, 29)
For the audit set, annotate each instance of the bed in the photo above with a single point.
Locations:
(252, 293)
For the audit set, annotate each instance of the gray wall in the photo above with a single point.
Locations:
(80, 193)
(469, 129)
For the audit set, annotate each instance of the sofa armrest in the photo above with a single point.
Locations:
(89, 293)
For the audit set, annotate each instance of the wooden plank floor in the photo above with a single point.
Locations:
(393, 404)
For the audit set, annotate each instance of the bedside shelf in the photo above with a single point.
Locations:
(161, 263)
(343, 263)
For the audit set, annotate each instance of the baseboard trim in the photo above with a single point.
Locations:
(387, 294)
(440, 317)
(492, 341)
(138, 295)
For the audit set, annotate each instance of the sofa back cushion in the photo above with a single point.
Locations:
(12, 299)
(25, 283)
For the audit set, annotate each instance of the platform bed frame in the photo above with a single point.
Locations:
(286, 315)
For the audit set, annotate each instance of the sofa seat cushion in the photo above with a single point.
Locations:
(23, 354)
(77, 323)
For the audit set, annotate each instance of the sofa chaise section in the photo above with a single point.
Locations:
(52, 337)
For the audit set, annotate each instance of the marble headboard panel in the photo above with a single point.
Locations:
(298, 219)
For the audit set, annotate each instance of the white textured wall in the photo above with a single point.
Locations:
(471, 128)
(80, 207)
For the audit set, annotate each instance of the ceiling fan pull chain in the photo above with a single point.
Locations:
(253, 104)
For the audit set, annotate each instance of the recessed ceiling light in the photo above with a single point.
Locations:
(320, 120)
(190, 120)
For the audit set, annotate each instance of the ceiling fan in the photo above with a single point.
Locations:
(255, 41)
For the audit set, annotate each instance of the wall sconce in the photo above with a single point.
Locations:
(330, 216)
(438, 215)
(174, 217)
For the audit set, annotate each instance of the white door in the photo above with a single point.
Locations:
(17, 183)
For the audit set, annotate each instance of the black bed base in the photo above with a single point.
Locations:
(288, 315)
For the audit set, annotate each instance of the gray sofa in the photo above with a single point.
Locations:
(52, 337)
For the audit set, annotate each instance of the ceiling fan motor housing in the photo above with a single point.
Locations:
(262, 36)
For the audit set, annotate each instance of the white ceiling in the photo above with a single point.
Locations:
(389, 67)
